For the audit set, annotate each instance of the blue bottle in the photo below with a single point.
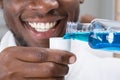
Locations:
(105, 35)
(100, 34)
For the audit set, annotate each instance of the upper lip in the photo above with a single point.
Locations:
(37, 16)
(42, 19)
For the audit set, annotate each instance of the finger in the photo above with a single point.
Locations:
(59, 78)
(36, 54)
(37, 78)
(43, 70)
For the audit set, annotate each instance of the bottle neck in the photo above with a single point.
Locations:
(73, 27)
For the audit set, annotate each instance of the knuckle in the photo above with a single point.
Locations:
(57, 69)
(13, 75)
(41, 55)
(8, 74)
(8, 50)
(6, 56)
(51, 65)
(50, 69)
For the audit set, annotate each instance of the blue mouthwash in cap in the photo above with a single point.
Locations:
(78, 31)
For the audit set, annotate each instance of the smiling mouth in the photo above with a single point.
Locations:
(41, 26)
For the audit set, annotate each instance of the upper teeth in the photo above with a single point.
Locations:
(42, 27)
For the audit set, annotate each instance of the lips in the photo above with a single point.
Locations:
(43, 27)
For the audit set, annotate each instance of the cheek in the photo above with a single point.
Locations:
(11, 14)
(72, 10)
(14, 6)
(73, 14)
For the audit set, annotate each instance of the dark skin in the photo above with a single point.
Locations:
(32, 59)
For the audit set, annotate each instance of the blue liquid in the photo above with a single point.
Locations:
(83, 36)
(105, 41)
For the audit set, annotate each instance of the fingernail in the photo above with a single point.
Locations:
(72, 59)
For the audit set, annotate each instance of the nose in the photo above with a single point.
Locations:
(44, 6)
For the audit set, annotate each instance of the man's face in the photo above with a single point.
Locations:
(33, 22)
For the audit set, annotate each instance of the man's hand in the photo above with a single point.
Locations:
(33, 63)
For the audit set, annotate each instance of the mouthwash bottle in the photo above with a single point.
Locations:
(79, 31)
(104, 34)
(99, 34)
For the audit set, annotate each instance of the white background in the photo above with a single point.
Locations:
(99, 8)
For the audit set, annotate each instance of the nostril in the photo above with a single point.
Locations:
(53, 12)
(81, 1)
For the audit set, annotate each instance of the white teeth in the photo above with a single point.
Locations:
(42, 27)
